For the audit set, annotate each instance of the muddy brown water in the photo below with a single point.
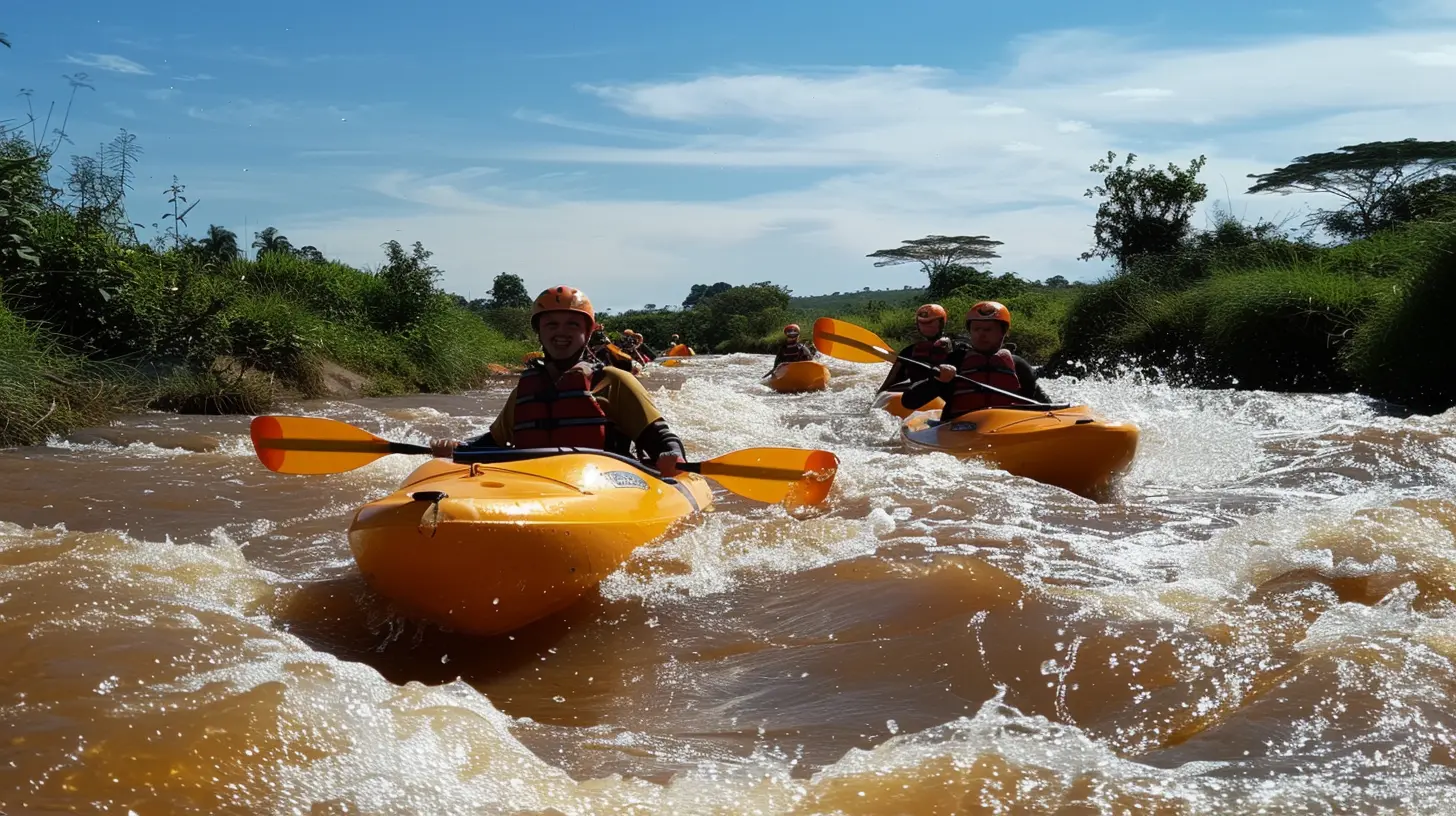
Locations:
(1260, 619)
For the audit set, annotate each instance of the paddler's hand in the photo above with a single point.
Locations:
(945, 373)
(667, 464)
(443, 448)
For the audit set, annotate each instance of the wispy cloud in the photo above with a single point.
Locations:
(337, 153)
(127, 113)
(585, 53)
(251, 55)
(193, 78)
(890, 153)
(161, 94)
(241, 112)
(109, 62)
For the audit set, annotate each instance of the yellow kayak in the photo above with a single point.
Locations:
(805, 375)
(1071, 448)
(488, 548)
(890, 401)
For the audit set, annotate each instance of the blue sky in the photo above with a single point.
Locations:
(634, 149)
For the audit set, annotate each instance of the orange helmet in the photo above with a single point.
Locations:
(562, 299)
(792, 328)
(931, 311)
(990, 310)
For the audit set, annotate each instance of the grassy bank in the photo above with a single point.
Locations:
(1364, 316)
(92, 321)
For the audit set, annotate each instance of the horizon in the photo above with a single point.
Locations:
(642, 151)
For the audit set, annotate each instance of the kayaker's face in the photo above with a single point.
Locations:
(929, 327)
(562, 334)
(986, 335)
(792, 337)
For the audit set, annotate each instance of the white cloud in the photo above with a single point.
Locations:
(109, 62)
(900, 152)
(121, 111)
(244, 112)
(161, 94)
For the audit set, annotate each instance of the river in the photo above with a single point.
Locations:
(1259, 619)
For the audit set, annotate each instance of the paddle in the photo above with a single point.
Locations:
(845, 341)
(318, 445)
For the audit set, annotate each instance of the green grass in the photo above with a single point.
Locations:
(45, 391)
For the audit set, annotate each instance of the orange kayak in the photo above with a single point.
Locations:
(1070, 448)
(890, 401)
(805, 375)
(488, 548)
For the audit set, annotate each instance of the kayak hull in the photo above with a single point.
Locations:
(797, 377)
(513, 542)
(890, 401)
(1074, 448)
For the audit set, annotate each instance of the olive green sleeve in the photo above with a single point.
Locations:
(626, 402)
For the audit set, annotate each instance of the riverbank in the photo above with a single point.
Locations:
(177, 331)
(1233, 308)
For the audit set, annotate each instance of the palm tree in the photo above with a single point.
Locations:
(269, 240)
(221, 244)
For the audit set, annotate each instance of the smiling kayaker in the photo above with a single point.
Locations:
(985, 360)
(567, 399)
(933, 348)
(793, 351)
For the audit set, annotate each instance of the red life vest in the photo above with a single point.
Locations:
(794, 352)
(933, 352)
(996, 370)
(563, 414)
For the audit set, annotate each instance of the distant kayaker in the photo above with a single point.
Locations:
(606, 352)
(933, 348)
(985, 360)
(569, 400)
(793, 351)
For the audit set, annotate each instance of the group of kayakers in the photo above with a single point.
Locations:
(582, 392)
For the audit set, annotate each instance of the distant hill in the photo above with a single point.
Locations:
(839, 302)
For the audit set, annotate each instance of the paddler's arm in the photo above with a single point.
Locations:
(627, 405)
(923, 391)
(1026, 375)
(897, 372)
(499, 435)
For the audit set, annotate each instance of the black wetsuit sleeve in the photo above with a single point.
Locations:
(1030, 388)
(657, 439)
(901, 374)
(925, 387)
(485, 440)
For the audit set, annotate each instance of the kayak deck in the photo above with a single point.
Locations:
(1072, 448)
(796, 377)
(890, 401)
(488, 548)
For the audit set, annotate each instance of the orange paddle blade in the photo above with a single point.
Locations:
(318, 445)
(772, 474)
(846, 341)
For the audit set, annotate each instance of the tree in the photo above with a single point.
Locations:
(271, 241)
(1375, 179)
(701, 291)
(508, 291)
(950, 278)
(1146, 211)
(937, 253)
(1056, 282)
(310, 254)
(410, 283)
(220, 245)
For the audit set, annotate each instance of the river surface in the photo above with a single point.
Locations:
(1259, 619)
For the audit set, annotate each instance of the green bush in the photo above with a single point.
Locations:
(44, 390)
(1402, 351)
